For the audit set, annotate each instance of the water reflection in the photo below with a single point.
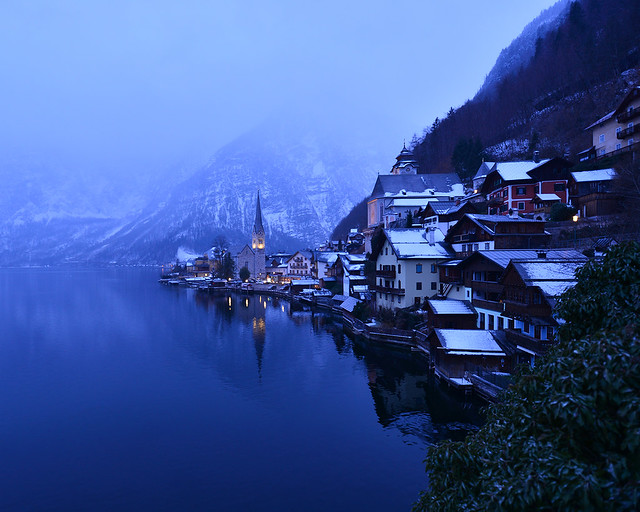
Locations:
(405, 396)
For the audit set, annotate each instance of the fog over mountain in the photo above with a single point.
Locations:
(109, 105)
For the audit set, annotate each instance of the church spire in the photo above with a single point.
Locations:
(257, 225)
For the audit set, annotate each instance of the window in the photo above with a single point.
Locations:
(504, 193)
(520, 191)
(486, 246)
(386, 251)
(618, 146)
(630, 125)
(399, 299)
(433, 268)
(399, 283)
(463, 248)
(418, 285)
(630, 143)
(525, 327)
(536, 189)
(434, 286)
(475, 247)
(399, 268)
(549, 332)
(601, 138)
(601, 151)
(418, 268)
(536, 332)
(380, 296)
(618, 130)
(491, 324)
(481, 321)
(558, 187)
(500, 323)
(520, 205)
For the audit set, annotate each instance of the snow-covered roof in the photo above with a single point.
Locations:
(503, 257)
(394, 183)
(451, 307)
(548, 197)
(327, 257)
(349, 304)
(414, 244)
(361, 288)
(484, 169)
(553, 277)
(597, 175)
(414, 202)
(517, 171)
(469, 342)
(601, 120)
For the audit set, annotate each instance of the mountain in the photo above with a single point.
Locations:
(309, 172)
(523, 47)
(308, 180)
(541, 97)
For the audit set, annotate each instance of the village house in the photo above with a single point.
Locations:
(515, 186)
(530, 291)
(617, 132)
(349, 270)
(444, 214)
(479, 275)
(325, 270)
(407, 267)
(450, 314)
(476, 232)
(590, 192)
(456, 353)
(404, 191)
(300, 265)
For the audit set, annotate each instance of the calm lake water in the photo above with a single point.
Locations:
(117, 393)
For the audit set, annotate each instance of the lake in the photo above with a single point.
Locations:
(118, 393)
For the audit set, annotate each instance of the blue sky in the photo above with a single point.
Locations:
(122, 83)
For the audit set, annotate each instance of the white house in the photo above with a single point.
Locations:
(407, 266)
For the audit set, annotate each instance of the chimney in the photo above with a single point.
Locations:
(536, 156)
(431, 232)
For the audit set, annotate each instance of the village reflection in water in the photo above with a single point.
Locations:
(405, 395)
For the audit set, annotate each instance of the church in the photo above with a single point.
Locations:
(253, 257)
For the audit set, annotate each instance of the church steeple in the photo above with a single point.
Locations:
(257, 225)
(257, 236)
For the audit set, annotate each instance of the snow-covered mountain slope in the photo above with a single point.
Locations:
(308, 176)
(308, 181)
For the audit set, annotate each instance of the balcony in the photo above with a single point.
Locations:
(527, 342)
(388, 289)
(522, 310)
(487, 286)
(627, 116)
(487, 304)
(626, 132)
(388, 274)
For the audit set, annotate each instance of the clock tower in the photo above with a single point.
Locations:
(258, 243)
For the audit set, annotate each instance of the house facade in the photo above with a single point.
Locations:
(515, 186)
(476, 232)
(407, 267)
(300, 265)
(591, 192)
(619, 130)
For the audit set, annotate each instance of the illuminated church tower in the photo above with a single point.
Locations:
(253, 257)
(257, 243)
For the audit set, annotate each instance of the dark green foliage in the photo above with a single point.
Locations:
(607, 295)
(566, 436)
(467, 157)
(409, 220)
(356, 218)
(406, 319)
(377, 241)
(362, 311)
(560, 212)
(244, 273)
(227, 267)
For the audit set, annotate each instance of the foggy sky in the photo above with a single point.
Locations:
(117, 84)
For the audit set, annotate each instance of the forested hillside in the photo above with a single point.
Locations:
(577, 73)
